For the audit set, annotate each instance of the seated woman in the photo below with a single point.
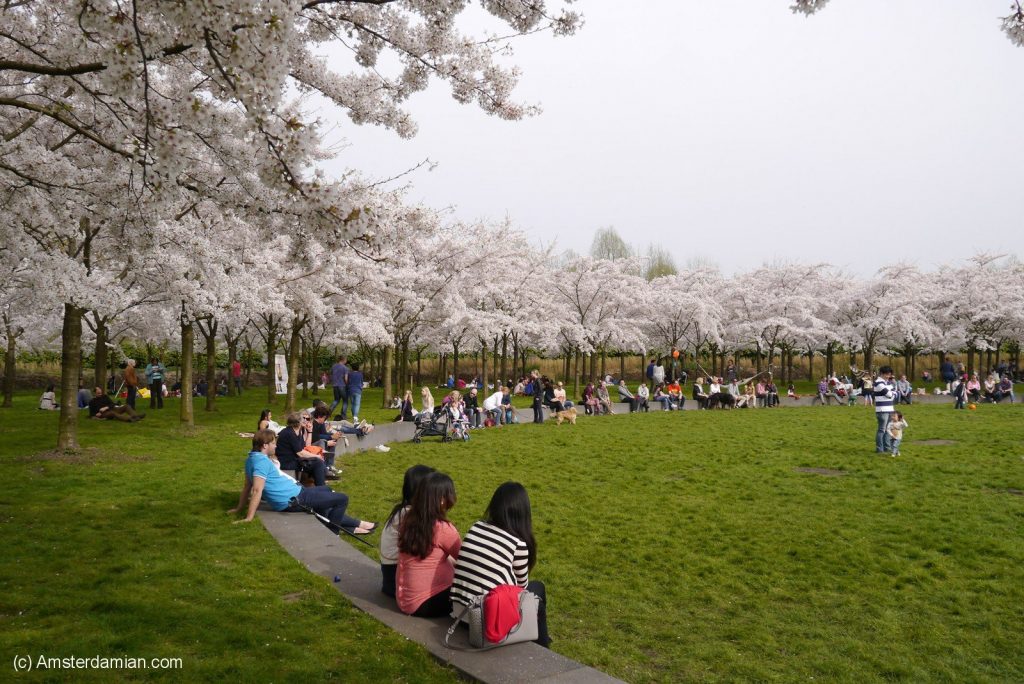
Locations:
(406, 412)
(603, 400)
(427, 402)
(266, 422)
(508, 412)
(662, 398)
(560, 396)
(427, 548)
(989, 390)
(549, 399)
(590, 403)
(389, 535)
(751, 394)
(500, 549)
(643, 396)
(973, 388)
(627, 397)
(675, 394)
(772, 391)
(761, 392)
(698, 394)
(48, 402)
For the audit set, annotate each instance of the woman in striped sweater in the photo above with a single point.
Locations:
(500, 549)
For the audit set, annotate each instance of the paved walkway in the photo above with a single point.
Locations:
(358, 579)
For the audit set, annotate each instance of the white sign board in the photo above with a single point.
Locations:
(280, 374)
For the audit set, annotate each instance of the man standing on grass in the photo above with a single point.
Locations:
(885, 398)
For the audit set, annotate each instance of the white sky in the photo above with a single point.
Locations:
(738, 132)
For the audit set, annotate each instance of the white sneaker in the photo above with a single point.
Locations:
(383, 448)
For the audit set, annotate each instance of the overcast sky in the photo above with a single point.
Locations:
(737, 132)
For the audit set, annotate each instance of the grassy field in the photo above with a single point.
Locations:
(676, 547)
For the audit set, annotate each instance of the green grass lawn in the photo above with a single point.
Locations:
(675, 546)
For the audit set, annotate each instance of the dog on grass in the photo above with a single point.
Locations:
(721, 400)
(568, 414)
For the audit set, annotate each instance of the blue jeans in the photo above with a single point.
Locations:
(355, 400)
(883, 442)
(895, 446)
(329, 504)
(339, 397)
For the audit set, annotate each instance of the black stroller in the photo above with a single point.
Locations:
(436, 424)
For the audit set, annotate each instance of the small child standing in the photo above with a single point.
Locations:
(896, 427)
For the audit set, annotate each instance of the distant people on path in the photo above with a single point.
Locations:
(904, 391)
(155, 374)
(884, 395)
(131, 382)
(626, 396)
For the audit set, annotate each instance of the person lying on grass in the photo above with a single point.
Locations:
(102, 407)
(264, 481)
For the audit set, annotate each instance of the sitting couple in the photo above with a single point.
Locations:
(433, 572)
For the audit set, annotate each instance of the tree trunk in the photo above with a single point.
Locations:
(304, 365)
(271, 370)
(504, 358)
(232, 357)
(494, 368)
(515, 358)
(970, 360)
(389, 352)
(314, 362)
(593, 367)
(869, 356)
(185, 414)
(9, 367)
(70, 368)
(294, 349)
(810, 363)
(757, 366)
(455, 362)
(483, 366)
(622, 366)
(211, 365)
(100, 354)
(829, 359)
(576, 374)
(604, 368)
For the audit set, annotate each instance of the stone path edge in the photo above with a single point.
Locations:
(326, 555)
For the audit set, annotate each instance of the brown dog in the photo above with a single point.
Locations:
(568, 414)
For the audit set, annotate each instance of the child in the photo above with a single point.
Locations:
(896, 427)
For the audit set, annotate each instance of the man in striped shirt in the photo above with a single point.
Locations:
(885, 398)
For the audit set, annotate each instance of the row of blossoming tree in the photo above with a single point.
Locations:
(159, 181)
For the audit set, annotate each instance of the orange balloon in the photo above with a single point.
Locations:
(972, 406)
(675, 353)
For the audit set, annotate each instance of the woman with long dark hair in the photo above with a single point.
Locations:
(427, 548)
(501, 549)
(389, 535)
(265, 420)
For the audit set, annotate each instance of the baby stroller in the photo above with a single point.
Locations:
(437, 424)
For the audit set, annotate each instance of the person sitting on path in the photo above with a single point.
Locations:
(291, 450)
(265, 481)
(698, 394)
(428, 546)
(492, 406)
(389, 534)
(627, 397)
(406, 413)
(500, 549)
(643, 398)
(603, 400)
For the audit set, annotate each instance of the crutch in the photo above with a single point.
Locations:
(330, 525)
